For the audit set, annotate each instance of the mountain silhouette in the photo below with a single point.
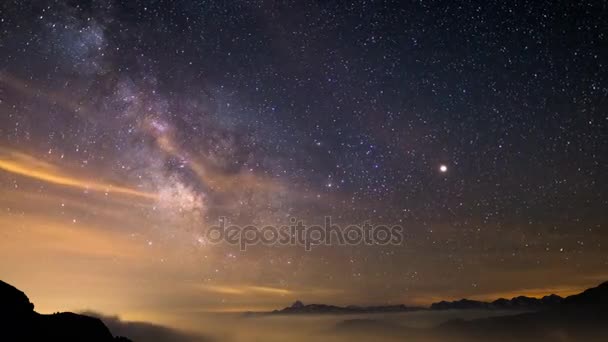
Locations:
(516, 303)
(591, 299)
(520, 303)
(299, 308)
(19, 322)
(580, 317)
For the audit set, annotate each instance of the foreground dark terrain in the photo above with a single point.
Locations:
(19, 322)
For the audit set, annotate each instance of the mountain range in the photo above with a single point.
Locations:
(520, 303)
(580, 317)
(516, 303)
(299, 308)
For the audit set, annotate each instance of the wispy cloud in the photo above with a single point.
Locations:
(246, 290)
(28, 166)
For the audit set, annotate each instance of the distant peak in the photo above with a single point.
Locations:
(297, 305)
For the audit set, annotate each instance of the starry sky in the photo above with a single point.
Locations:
(127, 128)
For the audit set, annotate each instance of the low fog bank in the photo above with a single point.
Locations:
(144, 332)
(326, 327)
(449, 325)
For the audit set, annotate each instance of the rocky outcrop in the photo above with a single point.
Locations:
(19, 322)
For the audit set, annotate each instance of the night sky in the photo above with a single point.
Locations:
(127, 128)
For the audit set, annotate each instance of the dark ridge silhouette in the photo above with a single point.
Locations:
(19, 322)
(463, 304)
(516, 303)
(594, 298)
(580, 317)
(299, 308)
(520, 303)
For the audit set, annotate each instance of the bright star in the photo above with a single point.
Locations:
(443, 168)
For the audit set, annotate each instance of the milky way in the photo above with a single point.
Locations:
(127, 129)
